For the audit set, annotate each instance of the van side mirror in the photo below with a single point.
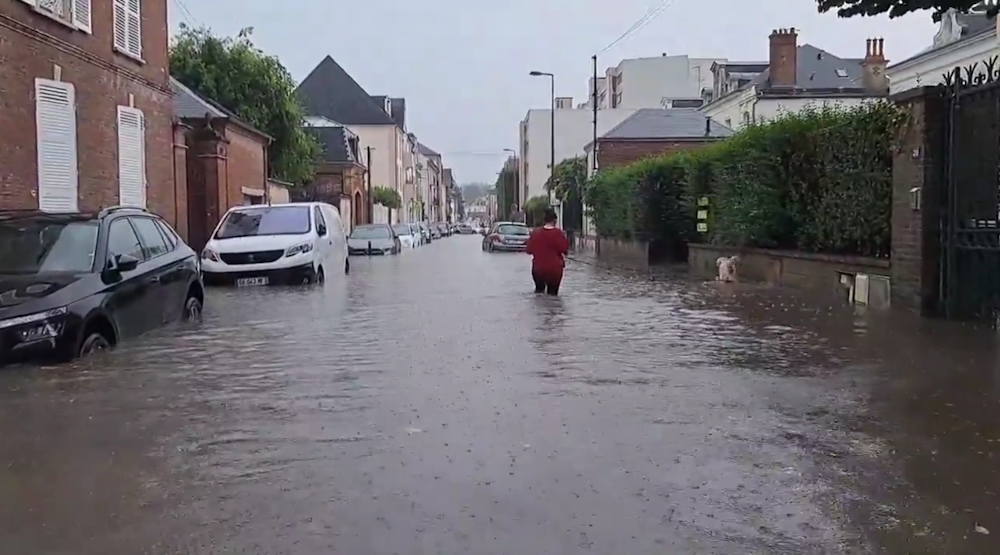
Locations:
(321, 230)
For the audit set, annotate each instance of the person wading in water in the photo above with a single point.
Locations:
(548, 247)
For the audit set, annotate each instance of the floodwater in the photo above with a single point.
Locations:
(431, 404)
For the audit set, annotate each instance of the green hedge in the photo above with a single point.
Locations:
(817, 180)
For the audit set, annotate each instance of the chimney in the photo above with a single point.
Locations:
(783, 57)
(564, 102)
(873, 67)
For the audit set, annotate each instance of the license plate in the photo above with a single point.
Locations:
(250, 282)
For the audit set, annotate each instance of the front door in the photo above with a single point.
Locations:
(130, 291)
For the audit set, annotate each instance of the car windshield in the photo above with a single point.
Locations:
(41, 246)
(373, 232)
(402, 229)
(512, 230)
(266, 220)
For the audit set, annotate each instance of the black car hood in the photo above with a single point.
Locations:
(22, 294)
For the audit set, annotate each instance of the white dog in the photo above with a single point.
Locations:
(727, 268)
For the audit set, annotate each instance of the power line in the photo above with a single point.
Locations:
(640, 23)
(186, 13)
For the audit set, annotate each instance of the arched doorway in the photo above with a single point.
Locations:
(356, 209)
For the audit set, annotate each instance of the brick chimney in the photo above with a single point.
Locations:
(783, 57)
(873, 67)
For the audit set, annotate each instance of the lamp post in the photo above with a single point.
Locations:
(552, 128)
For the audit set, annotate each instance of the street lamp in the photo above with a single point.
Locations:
(552, 129)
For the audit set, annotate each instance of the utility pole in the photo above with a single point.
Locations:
(371, 201)
(552, 133)
(594, 148)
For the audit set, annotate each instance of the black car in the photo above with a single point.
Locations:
(72, 284)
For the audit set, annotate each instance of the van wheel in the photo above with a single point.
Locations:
(347, 266)
(320, 277)
(95, 342)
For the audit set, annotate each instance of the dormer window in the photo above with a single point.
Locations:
(841, 73)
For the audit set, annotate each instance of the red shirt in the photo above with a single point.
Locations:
(548, 246)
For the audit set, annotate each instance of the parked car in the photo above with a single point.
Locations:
(435, 231)
(73, 284)
(507, 237)
(407, 238)
(465, 229)
(444, 229)
(275, 244)
(418, 234)
(374, 239)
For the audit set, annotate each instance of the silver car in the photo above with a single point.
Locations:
(507, 237)
(373, 239)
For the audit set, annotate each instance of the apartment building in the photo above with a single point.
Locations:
(654, 82)
(86, 106)
(574, 129)
(429, 170)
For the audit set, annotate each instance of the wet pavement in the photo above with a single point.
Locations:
(430, 404)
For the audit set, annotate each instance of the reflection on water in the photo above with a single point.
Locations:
(432, 403)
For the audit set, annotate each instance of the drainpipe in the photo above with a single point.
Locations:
(267, 185)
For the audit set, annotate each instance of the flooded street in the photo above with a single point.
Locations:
(431, 404)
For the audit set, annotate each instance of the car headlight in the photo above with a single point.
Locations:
(38, 326)
(299, 249)
(209, 254)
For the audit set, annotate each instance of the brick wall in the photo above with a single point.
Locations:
(613, 153)
(31, 45)
(917, 164)
(247, 163)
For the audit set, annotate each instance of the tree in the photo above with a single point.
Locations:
(387, 197)
(567, 183)
(897, 8)
(254, 86)
(534, 210)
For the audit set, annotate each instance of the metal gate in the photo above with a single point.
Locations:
(970, 232)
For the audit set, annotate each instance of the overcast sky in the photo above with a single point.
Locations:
(463, 66)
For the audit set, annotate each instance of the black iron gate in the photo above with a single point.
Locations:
(970, 214)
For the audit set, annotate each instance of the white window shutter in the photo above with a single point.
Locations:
(121, 25)
(81, 15)
(131, 157)
(134, 28)
(55, 130)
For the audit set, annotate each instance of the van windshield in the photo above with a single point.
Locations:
(266, 220)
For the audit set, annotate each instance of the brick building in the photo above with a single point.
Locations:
(654, 131)
(221, 162)
(340, 174)
(85, 105)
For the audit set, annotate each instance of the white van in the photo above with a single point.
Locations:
(300, 242)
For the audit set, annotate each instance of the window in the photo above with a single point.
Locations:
(131, 157)
(122, 240)
(266, 220)
(55, 123)
(841, 73)
(318, 216)
(152, 241)
(168, 234)
(74, 13)
(128, 28)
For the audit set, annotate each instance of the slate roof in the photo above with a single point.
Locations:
(669, 123)
(331, 92)
(333, 142)
(426, 150)
(816, 68)
(190, 105)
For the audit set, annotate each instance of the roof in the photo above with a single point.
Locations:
(816, 68)
(426, 150)
(969, 26)
(333, 142)
(190, 105)
(668, 123)
(331, 92)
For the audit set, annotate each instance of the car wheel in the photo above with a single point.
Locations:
(93, 343)
(192, 310)
(320, 278)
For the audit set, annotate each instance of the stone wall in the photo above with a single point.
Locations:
(820, 272)
(624, 253)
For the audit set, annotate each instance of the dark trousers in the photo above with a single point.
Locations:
(548, 284)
